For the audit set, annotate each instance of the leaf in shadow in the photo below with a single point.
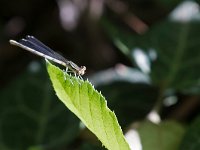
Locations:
(30, 114)
(174, 46)
(192, 137)
(164, 136)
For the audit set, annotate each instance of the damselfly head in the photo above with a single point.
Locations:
(81, 71)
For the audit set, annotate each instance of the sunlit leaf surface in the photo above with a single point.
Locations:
(89, 106)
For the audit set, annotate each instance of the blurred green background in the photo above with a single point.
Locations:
(143, 55)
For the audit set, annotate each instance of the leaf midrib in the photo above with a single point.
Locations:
(177, 59)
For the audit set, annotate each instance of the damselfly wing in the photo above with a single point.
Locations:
(33, 45)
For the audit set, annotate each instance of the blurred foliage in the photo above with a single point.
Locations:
(123, 100)
(30, 113)
(191, 137)
(167, 135)
(162, 50)
(173, 44)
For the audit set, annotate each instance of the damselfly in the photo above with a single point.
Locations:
(33, 45)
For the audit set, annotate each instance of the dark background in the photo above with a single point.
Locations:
(104, 36)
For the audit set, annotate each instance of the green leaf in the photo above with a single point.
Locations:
(89, 106)
(192, 137)
(175, 48)
(164, 136)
